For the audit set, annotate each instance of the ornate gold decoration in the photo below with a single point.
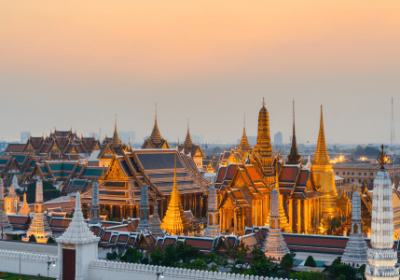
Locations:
(175, 221)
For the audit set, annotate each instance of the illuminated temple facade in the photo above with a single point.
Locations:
(307, 194)
(120, 186)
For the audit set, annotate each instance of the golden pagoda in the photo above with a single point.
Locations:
(24, 210)
(263, 147)
(175, 221)
(324, 179)
(155, 141)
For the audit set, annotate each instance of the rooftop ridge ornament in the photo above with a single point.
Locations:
(382, 158)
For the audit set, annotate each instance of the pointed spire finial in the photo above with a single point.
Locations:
(115, 122)
(382, 158)
(321, 156)
(263, 102)
(188, 125)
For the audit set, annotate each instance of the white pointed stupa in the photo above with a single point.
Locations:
(79, 238)
(381, 257)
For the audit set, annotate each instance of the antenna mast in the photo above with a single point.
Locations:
(392, 137)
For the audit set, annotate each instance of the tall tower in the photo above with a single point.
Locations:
(356, 250)
(392, 137)
(39, 226)
(144, 210)
(381, 257)
(95, 205)
(263, 147)
(294, 157)
(212, 229)
(275, 247)
(324, 179)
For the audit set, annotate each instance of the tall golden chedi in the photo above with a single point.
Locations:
(324, 179)
(175, 221)
(263, 147)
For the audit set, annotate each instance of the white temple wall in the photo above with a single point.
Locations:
(31, 264)
(108, 270)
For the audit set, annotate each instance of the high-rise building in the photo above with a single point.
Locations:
(25, 136)
(278, 139)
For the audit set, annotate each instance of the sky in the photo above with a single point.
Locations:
(77, 64)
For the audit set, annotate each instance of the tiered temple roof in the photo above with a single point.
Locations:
(155, 141)
(121, 185)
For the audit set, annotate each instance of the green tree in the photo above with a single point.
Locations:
(50, 240)
(361, 270)
(157, 257)
(49, 192)
(132, 256)
(259, 264)
(345, 270)
(170, 256)
(187, 253)
(287, 262)
(237, 255)
(307, 275)
(32, 238)
(112, 256)
(310, 262)
(16, 237)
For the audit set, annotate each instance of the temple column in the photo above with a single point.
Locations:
(307, 216)
(111, 212)
(291, 214)
(131, 211)
(137, 211)
(235, 221)
(298, 215)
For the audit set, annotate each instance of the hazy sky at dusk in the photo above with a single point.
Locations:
(78, 63)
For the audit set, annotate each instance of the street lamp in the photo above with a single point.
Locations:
(160, 275)
(48, 267)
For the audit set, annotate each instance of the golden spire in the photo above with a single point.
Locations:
(294, 157)
(155, 134)
(321, 153)
(263, 147)
(175, 221)
(115, 142)
(244, 142)
(24, 210)
(188, 144)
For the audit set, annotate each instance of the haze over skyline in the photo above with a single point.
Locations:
(77, 64)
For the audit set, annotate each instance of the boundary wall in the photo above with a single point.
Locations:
(31, 264)
(109, 270)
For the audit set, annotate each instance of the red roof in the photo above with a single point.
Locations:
(288, 174)
(15, 147)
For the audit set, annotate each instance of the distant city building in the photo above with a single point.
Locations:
(197, 139)
(252, 140)
(127, 136)
(278, 139)
(24, 136)
(359, 172)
